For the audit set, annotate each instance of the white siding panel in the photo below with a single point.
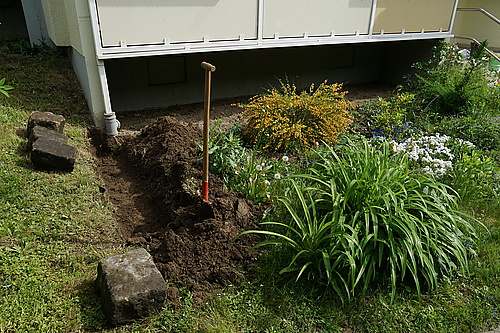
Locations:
(151, 21)
(413, 15)
(316, 17)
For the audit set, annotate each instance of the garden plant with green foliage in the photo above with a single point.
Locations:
(257, 177)
(451, 84)
(363, 216)
(287, 119)
(4, 88)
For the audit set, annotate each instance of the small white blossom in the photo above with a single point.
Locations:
(258, 168)
(430, 152)
(277, 176)
(285, 158)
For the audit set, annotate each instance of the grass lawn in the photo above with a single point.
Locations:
(55, 227)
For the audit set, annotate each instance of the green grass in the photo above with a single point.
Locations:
(55, 227)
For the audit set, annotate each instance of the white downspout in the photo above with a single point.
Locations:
(112, 124)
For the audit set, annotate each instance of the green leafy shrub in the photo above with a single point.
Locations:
(287, 119)
(475, 177)
(4, 88)
(477, 128)
(364, 217)
(392, 113)
(226, 149)
(449, 84)
(456, 163)
(389, 117)
(258, 178)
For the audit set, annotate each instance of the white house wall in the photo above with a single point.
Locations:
(83, 55)
(152, 21)
(57, 23)
(316, 17)
(393, 16)
(151, 49)
(476, 24)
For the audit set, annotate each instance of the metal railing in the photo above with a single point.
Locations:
(475, 41)
(481, 10)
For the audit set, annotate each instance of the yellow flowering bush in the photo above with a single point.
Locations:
(287, 119)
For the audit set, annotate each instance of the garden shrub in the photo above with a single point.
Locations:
(363, 217)
(477, 128)
(287, 119)
(456, 163)
(225, 148)
(476, 178)
(386, 117)
(257, 177)
(449, 84)
(392, 113)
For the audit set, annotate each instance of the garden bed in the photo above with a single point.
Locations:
(151, 174)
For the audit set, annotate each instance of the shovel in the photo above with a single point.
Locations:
(206, 127)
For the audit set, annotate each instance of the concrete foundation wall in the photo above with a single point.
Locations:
(151, 82)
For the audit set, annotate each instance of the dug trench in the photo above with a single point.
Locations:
(153, 181)
(152, 176)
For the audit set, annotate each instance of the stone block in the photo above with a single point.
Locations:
(43, 132)
(130, 286)
(49, 154)
(47, 120)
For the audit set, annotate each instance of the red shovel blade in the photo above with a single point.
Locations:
(204, 190)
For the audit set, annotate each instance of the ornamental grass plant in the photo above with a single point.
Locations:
(361, 218)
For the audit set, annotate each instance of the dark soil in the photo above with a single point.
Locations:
(152, 176)
(153, 180)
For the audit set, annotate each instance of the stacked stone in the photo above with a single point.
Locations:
(49, 146)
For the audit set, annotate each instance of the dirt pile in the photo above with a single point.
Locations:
(153, 179)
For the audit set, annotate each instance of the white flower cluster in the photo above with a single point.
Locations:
(430, 152)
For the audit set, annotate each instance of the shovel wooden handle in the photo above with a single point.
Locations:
(206, 126)
(207, 66)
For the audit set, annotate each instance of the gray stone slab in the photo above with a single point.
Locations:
(49, 154)
(43, 132)
(47, 120)
(130, 286)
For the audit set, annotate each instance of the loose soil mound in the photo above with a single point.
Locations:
(153, 179)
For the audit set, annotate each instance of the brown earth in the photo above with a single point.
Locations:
(152, 176)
